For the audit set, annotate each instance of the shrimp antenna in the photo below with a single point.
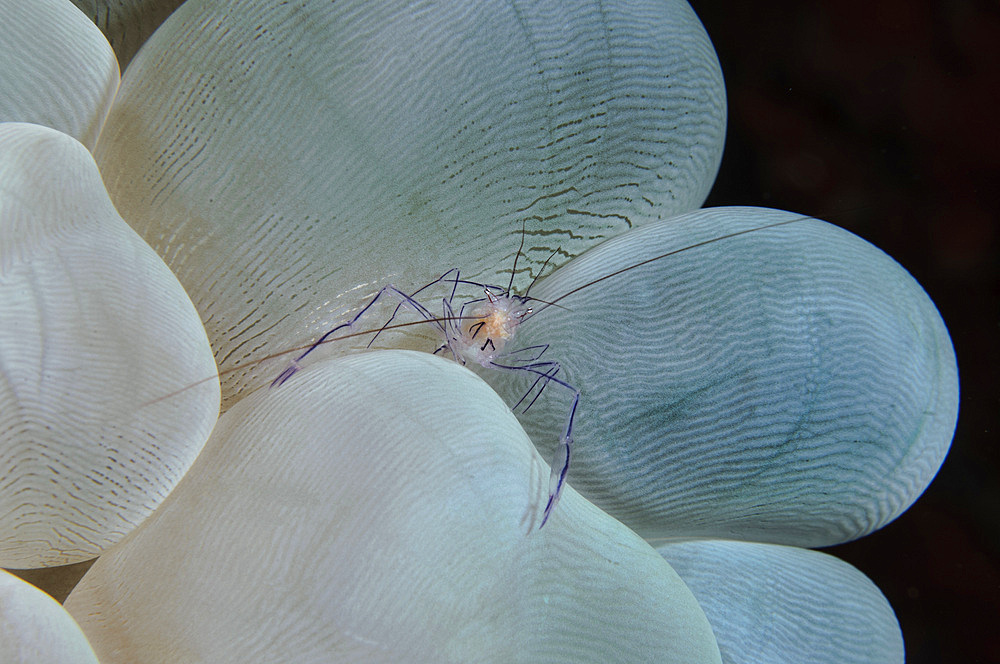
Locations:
(513, 268)
(547, 304)
(288, 351)
(665, 255)
(539, 275)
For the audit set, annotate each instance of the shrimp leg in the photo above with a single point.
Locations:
(546, 373)
(405, 300)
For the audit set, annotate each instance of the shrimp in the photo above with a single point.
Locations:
(479, 332)
(482, 330)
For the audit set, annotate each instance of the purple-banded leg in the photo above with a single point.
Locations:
(545, 373)
(526, 354)
(405, 300)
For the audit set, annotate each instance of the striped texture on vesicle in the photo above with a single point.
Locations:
(94, 330)
(773, 604)
(792, 385)
(56, 68)
(288, 159)
(382, 507)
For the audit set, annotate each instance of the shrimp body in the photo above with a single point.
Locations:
(494, 322)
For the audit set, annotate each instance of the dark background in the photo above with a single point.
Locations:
(880, 117)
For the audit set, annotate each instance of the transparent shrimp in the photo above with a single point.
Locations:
(479, 332)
